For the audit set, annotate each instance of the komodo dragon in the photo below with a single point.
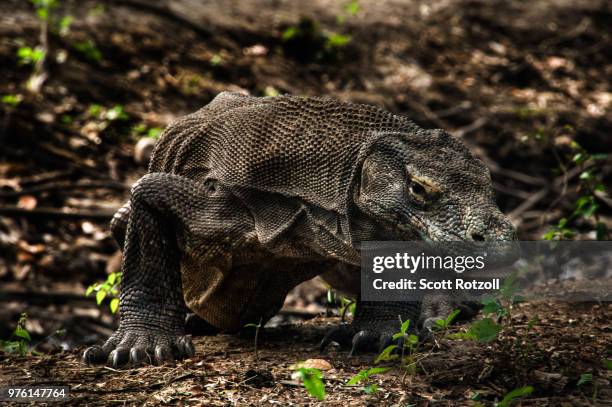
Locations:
(248, 197)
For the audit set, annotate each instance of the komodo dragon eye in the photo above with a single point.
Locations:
(421, 191)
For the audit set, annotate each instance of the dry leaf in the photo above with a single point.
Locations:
(320, 364)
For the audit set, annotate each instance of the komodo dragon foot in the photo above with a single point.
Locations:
(375, 323)
(140, 346)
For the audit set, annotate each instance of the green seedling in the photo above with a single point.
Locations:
(107, 289)
(18, 342)
(312, 380)
(365, 377)
(513, 395)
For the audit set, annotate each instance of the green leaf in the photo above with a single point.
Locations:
(371, 388)
(12, 100)
(376, 370)
(251, 326)
(116, 113)
(21, 332)
(362, 375)
(352, 7)
(89, 290)
(289, 33)
(111, 278)
(330, 296)
(154, 132)
(336, 40)
(402, 331)
(89, 50)
(216, 60)
(509, 286)
(28, 55)
(484, 330)
(579, 158)
(366, 374)
(313, 381)
(64, 24)
(114, 305)
(514, 394)
(608, 364)
(451, 317)
(95, 110)
(585, 378)
(491, 306)
(386, 354)
(100, 295)
(586, 175)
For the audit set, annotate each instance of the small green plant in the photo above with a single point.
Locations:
(141, 130)
(43, 8)
(12, 100)
(513, 395)
(18, 342)
(89, 50)
(336, 40)
(365, 377)
(257, 328)
(587, 205)
(484, 330)
(405, 341)
(500, 306)
(307, 41)
(216, 60)
(110, 114)
(29, 55)
(64, 25)
(346, 306)
(312, 379)
(351, 9)
(608, 364)
(444, 324)
(107, 289)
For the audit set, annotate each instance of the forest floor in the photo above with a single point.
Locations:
(544, 345)
(523, 84)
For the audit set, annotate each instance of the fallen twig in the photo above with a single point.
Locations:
(64, 185)
(42, 212)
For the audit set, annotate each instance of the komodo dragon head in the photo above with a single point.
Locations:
(431, 188)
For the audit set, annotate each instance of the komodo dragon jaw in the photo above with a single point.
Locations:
(248, 197)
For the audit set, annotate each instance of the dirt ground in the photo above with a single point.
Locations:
(517, 81)
(567, 341)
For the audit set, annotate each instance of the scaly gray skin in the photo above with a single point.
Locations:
(259, 194)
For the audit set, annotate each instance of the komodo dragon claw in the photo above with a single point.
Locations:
(138, 347)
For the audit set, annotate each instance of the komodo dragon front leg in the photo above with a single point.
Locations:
(165, 212)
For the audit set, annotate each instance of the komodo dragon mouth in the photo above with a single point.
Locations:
(300, 178)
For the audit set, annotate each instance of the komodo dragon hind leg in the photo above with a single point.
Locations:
(152, 322)
(194, 325)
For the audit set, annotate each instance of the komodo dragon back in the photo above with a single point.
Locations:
(303, 150)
